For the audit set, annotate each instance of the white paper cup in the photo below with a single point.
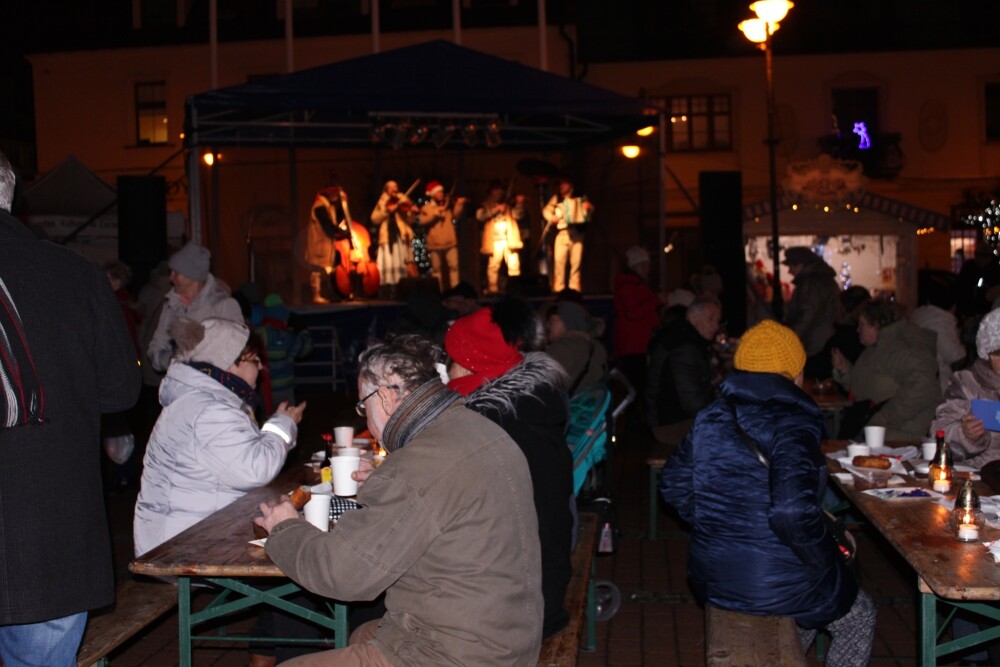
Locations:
(346, 451)
(874, 436)
(317, 511)
(858, 450)
(343, 466)
(343, 436)
(928, 449)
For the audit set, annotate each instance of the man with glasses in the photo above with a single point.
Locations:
(447, 528)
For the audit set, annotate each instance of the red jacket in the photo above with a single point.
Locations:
(635, 314)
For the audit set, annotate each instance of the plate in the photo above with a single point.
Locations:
(904, 493)
(923, 468)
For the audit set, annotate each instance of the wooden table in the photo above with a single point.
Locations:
(956, 575)
(216, 551)
(829, 400)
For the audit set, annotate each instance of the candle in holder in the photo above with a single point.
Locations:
(942, 484)
(378, 455)
(967, 515)
(968, 532)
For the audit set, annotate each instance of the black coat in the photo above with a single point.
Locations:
(55, 549)
(530, 404)
(679, 383)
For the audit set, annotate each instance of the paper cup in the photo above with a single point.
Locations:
(343, 466)
(928, 449)
(317, 511)
(858, 450)
(874, 436)
(343, 436)
(346, 451)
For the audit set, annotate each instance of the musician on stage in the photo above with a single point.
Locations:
(569, 215)
(393, 214)
(502, 215)
(328, 222)
(438, 216)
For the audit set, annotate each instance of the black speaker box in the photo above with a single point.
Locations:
(142, 223)
(721, 202)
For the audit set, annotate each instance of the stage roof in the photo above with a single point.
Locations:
(389, 97)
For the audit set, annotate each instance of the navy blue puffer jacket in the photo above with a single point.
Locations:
(759, 543)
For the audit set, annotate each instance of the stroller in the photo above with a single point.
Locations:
(591, 430)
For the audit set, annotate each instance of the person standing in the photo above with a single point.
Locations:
(448, 529)
(814, 307)
(329, 222)
(569, 214)
(501, 218)
(66, 358)
(393, 213)
(196, 294)
(438, 215)
(636, 316)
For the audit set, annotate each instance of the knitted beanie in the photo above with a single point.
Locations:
(636, 256)
(988, 335)
(275, 308)
(770, 347)
(191, 261)
(213, 341)
(476, 342)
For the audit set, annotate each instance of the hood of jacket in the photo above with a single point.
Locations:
(907, 336)
(537, 373)
(182, 379)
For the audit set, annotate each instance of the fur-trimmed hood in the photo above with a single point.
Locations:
(538, 371)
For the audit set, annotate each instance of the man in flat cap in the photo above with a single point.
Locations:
(814, 307)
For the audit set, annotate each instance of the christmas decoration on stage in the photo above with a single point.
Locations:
(845, 276)
(420, 254)
(989, 221)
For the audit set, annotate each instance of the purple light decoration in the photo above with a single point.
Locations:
(861, 130)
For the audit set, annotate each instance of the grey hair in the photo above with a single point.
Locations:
(7, 181)
(406, 361)
(701, 304)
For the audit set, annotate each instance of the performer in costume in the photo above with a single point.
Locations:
(437, 216)
(501, 234)
(328, 222)
(393, 214)
(569, 215)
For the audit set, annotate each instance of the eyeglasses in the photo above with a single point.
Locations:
(359, 407)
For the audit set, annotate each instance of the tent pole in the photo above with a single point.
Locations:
(293, 224)
(213, 43)
(543, 45)
(289, 37)
(376, 26)
(194, 193)
(662, 150)
(456, 20)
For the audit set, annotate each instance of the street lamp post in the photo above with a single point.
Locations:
(760, 31)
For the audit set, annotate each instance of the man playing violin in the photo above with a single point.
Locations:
(569, 215)
(438, 216)
(502, 239)
(393, 214)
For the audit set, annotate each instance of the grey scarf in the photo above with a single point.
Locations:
(415, 412)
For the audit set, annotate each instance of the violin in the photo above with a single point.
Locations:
(399, 203)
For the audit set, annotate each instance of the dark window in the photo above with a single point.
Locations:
(151, 113)
(993, 111)
(698, 122)
(856, 105)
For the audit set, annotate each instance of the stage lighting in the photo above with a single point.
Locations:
(442, 135)
(492, 134)
(418, 134)
(470, 135)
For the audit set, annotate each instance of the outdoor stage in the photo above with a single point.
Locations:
(341, 330)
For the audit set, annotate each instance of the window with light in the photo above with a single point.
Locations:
(698, 122)
(151, 113)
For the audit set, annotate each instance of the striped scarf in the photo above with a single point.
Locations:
(22, 400)
(415, 412)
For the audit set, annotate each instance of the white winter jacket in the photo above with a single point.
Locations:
(205, 452)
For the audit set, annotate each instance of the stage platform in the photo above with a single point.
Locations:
(341, 330)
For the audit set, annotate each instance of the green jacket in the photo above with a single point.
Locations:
(900, 369)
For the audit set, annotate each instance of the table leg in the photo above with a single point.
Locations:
(184, 620)
(591, 644)
(928, 630)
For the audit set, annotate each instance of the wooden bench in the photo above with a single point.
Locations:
(562, 648)
(137, 604)
(740, 640)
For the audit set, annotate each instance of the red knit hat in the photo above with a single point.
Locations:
(432, 186)
(475, 342)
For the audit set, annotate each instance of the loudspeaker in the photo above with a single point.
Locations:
(721, 204)
(142, 223)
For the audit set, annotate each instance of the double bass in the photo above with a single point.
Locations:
(355, 268)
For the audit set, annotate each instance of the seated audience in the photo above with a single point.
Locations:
(680, 377)
(845, 330)
(568, 330)
(894, 381)
(970, 441)
(524, 395)
(448, 529)
(206, 450)
(759, 543)
(938, 315)
(461, 299)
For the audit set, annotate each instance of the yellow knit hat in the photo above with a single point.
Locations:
(770, 347)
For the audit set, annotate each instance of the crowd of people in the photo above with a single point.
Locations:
(466, 529)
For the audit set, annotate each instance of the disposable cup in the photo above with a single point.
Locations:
(317, 511)
(874, 436)
(928, 449)
(858, 450)
(343, 436)
(343, 466)
(347, 451)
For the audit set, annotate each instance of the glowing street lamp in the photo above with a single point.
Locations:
(759, 31)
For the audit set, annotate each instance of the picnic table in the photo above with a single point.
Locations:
(950, 574)
(217, 551)
(829, 399)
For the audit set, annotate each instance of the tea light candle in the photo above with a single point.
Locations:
(942, 485)
(968, 532)
(377, 459)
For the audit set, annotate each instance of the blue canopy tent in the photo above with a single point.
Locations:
(385, 99)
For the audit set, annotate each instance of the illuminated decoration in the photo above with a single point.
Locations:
(399, 130)
(861, 130)
(646, 131)
(845, 276)
(825, 181)
(208, 159)
(630, 151)
(988, 221)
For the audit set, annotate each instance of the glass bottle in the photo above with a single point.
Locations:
(940, 469)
